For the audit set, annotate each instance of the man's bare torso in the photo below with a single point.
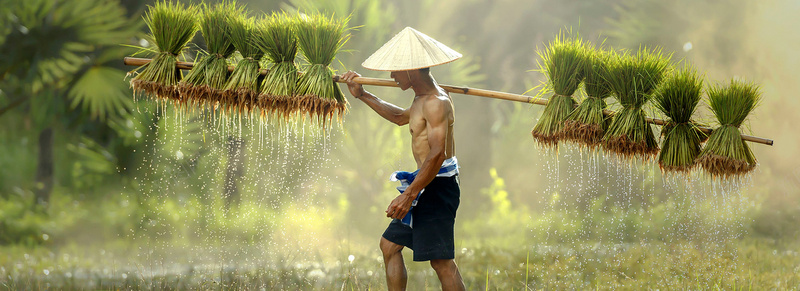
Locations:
(419, 128)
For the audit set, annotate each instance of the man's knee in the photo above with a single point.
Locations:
(446, 266)
(389, 248)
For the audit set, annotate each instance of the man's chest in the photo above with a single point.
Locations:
(416, 119)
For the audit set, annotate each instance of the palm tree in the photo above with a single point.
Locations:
(56, 62)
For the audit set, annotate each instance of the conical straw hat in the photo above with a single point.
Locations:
(410, 50)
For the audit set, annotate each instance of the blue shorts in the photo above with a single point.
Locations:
(434, 219)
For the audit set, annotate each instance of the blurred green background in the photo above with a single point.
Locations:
(99, 191)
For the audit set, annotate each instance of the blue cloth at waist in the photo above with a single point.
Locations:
(449, 168)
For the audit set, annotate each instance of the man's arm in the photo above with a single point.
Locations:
(389, 111)
(436, 112)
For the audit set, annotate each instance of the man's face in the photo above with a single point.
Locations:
(402, 78)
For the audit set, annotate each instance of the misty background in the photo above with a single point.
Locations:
(97, 187)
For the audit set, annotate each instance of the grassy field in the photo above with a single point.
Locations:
(130, 244)
(750, 264)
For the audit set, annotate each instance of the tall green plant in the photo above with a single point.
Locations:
(172, 26)
(633, 79)
(562, 61)
(320, 38)
(586, 124)
(241, 90)
(207, 78)
(60, 72)
(677, 98)
(726, 154)
(278, 41)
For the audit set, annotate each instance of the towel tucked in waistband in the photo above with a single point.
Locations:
(449, 168)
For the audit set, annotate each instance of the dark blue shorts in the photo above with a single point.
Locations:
(434, 218)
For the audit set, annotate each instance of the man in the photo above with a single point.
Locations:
(433, 191)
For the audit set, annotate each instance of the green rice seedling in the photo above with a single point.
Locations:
(207, 78)
(241, 90)
(171, 26)
(278, 41)
(320, 38)
(632, 79)
(726, 154)
(677, 98)
(586, 124)
(562, 61)
(189, 87)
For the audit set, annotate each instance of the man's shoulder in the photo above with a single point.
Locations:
(437, 107)
(441, 98)
(436, 102)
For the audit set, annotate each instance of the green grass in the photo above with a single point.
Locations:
(172, 26)
(563, 62)
(725, 154)
(210, 73)
(242, 89)
(191, 243)
(743, 265)
(633, 79)
(320, 38)
(678, 98)
(278, 40)
(586, 124)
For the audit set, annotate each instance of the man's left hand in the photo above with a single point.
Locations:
(400, 206)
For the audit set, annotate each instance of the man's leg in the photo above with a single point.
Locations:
(396, 276)
(448, 274)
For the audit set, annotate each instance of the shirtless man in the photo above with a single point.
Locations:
(423, 216)
(430, 119)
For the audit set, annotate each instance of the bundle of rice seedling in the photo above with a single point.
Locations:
(677, 98)
(320, 38)
(633, 78)
(210, 73)
(726, 154)
(241, 91)
(562, 62)
(172, 26)
(586, 124)
(278, 41)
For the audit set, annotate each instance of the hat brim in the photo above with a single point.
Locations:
(410, 50)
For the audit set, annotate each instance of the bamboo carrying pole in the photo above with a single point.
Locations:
(455, 89)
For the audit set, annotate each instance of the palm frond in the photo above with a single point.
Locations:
(46, 43)
(100, 92)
